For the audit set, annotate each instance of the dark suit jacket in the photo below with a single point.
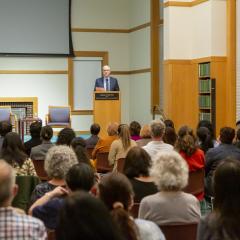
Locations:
(113, 84)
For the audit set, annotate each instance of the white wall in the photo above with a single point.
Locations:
(195, 32)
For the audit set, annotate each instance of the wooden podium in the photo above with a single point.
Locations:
(107, 109)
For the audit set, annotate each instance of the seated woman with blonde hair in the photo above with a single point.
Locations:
(120, 147)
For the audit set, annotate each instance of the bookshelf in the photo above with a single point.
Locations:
(207, 103)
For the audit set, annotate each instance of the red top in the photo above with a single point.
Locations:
(195, 161)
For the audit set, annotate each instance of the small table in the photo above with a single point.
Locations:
(24, 125)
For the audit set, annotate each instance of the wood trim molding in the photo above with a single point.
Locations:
(34, 100)
(183, 4)
(144, 70)
(109, 30)
(155, 56)
(33, 72)
(196, 60)
(82, 112)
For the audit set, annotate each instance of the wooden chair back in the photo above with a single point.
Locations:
(195, 182)
(39, 168)
(180, 231)
(89, 152)
(134, 210)
(120, 164)
(102, 164)
(51, 235)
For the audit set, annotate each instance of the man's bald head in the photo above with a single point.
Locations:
(7, 182)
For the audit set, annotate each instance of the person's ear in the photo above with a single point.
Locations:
(131, 202)
(15, 190)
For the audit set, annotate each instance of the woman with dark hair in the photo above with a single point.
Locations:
(78, 145)
(120, 147)
(13, 153)
(86, 217)
(136, 168)
(135, 128)
(169, 123)
(209, 126)
(39, 152)
(170, 136)
(205, 139)
(116, 192)
(188, 149)
(65, 136)
(223, 222)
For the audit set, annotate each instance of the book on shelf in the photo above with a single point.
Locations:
(204, 69)
(205, 85)
(204, 101)
(205, 116)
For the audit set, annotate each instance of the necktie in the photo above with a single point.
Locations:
(107, 85)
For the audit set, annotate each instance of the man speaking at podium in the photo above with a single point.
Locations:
(106, 83)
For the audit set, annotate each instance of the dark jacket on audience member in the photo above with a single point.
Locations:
(34, 141)
(91, 141)
(213, 157)
(39, 152)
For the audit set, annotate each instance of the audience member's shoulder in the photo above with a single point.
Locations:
(149, 230)
(151, 198)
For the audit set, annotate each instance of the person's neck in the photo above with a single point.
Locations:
(57, 182)
(156, 139)
(144, 178)
(5, 204)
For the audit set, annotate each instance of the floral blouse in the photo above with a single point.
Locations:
(26, 169)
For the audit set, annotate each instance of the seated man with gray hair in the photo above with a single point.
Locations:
(12, 224)
(157, 128)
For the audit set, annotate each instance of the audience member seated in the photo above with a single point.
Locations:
(5, 127)
(35, 129)
(170, 136)
(93, 139)
(169, 123)
(135, 128)
(157, 128)
(171, 205)
(116, 192)
(65, 136)
(120, 147)
(215, 155)
(39, 152)
(14, 225)
(78, 145)
(58, 161)
(103, 144)
(136, 168)
(85, 217)
(145, 135)
(13, 153)
(46, 208)
(209, 126)
(223, 222)
(78, 141)
(204, 139)
(188, 149)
